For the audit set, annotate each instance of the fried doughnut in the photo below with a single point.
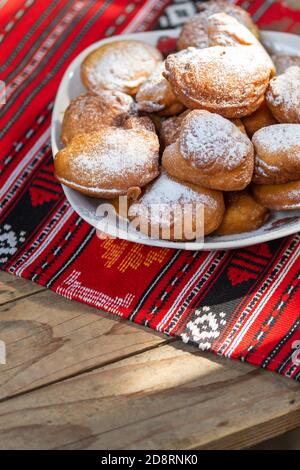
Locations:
(283, 62)
(242, 214)
(224, 30)
(119, 65)
(210, 151)
(277, 154)
(158, 207)
(229, 80)
(89, 112)
(283, 96)
(170, 128)
(110, 162)
(194, 31)
(278, 196)
(156, 96)
(259, 119)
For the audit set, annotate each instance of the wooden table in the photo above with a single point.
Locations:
(79, 379)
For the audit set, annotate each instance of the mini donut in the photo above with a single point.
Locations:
(278, 196)
(110, 162)
(283, 62)
(194, 31)
(170, 128)
(224, 30)
(242, 214)
(283, 96)
(210, 151)
(156, 96)
(230, 81)
(259, 119)
(140, 122)
(277, 154)
(89, 112)
(158, 208)
(119, 65)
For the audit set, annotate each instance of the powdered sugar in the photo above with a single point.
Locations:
(164, 194)
(228, 80)
(156, 87)
(114, 157)
(284, 91)
(120, 65)
(278, 138)
(207, 139)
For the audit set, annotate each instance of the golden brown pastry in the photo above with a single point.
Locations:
(159, 213)
(194, 31)
(283, 96)
(210, 151)
(283, 62)
(110, 162)
(155, 95)
(277, 154)
(170, 128)
(259, 119)
(224, 30)
(119, 65)
(278, 196)
(229, 80)
(242, 214)
(89, 112)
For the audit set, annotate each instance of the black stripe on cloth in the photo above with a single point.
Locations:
(56, 68)
(18, 17)
(26, 140)
(243, 306)
(27, 36)
(50, 53)
(77, 252)
(151, 287)
(37, 43)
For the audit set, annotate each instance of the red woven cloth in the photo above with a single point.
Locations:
(241, 304)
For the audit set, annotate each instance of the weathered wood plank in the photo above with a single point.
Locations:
(12, 287)
(49, 338)
(168, 398)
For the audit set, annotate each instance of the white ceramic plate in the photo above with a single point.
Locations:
(280, 223)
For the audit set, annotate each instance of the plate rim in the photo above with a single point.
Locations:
(209, 246)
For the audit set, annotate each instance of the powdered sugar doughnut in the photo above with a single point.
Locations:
(194, 31)
(139, 122)
(89, 112)
(211, 151)
(110, 162)
(277, 154)
(224, 30)
(230, 81)
(242, 214)
(158, 208)
(156, 95)
(278, 196)
(119, 65)
(283, 96)
(170, 128)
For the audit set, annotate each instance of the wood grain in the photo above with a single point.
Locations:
(49, 338)
(172, 397)
(12, 288)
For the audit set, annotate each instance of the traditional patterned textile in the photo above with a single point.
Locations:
(242, 304)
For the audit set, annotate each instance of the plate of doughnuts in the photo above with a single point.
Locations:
(152, 120)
